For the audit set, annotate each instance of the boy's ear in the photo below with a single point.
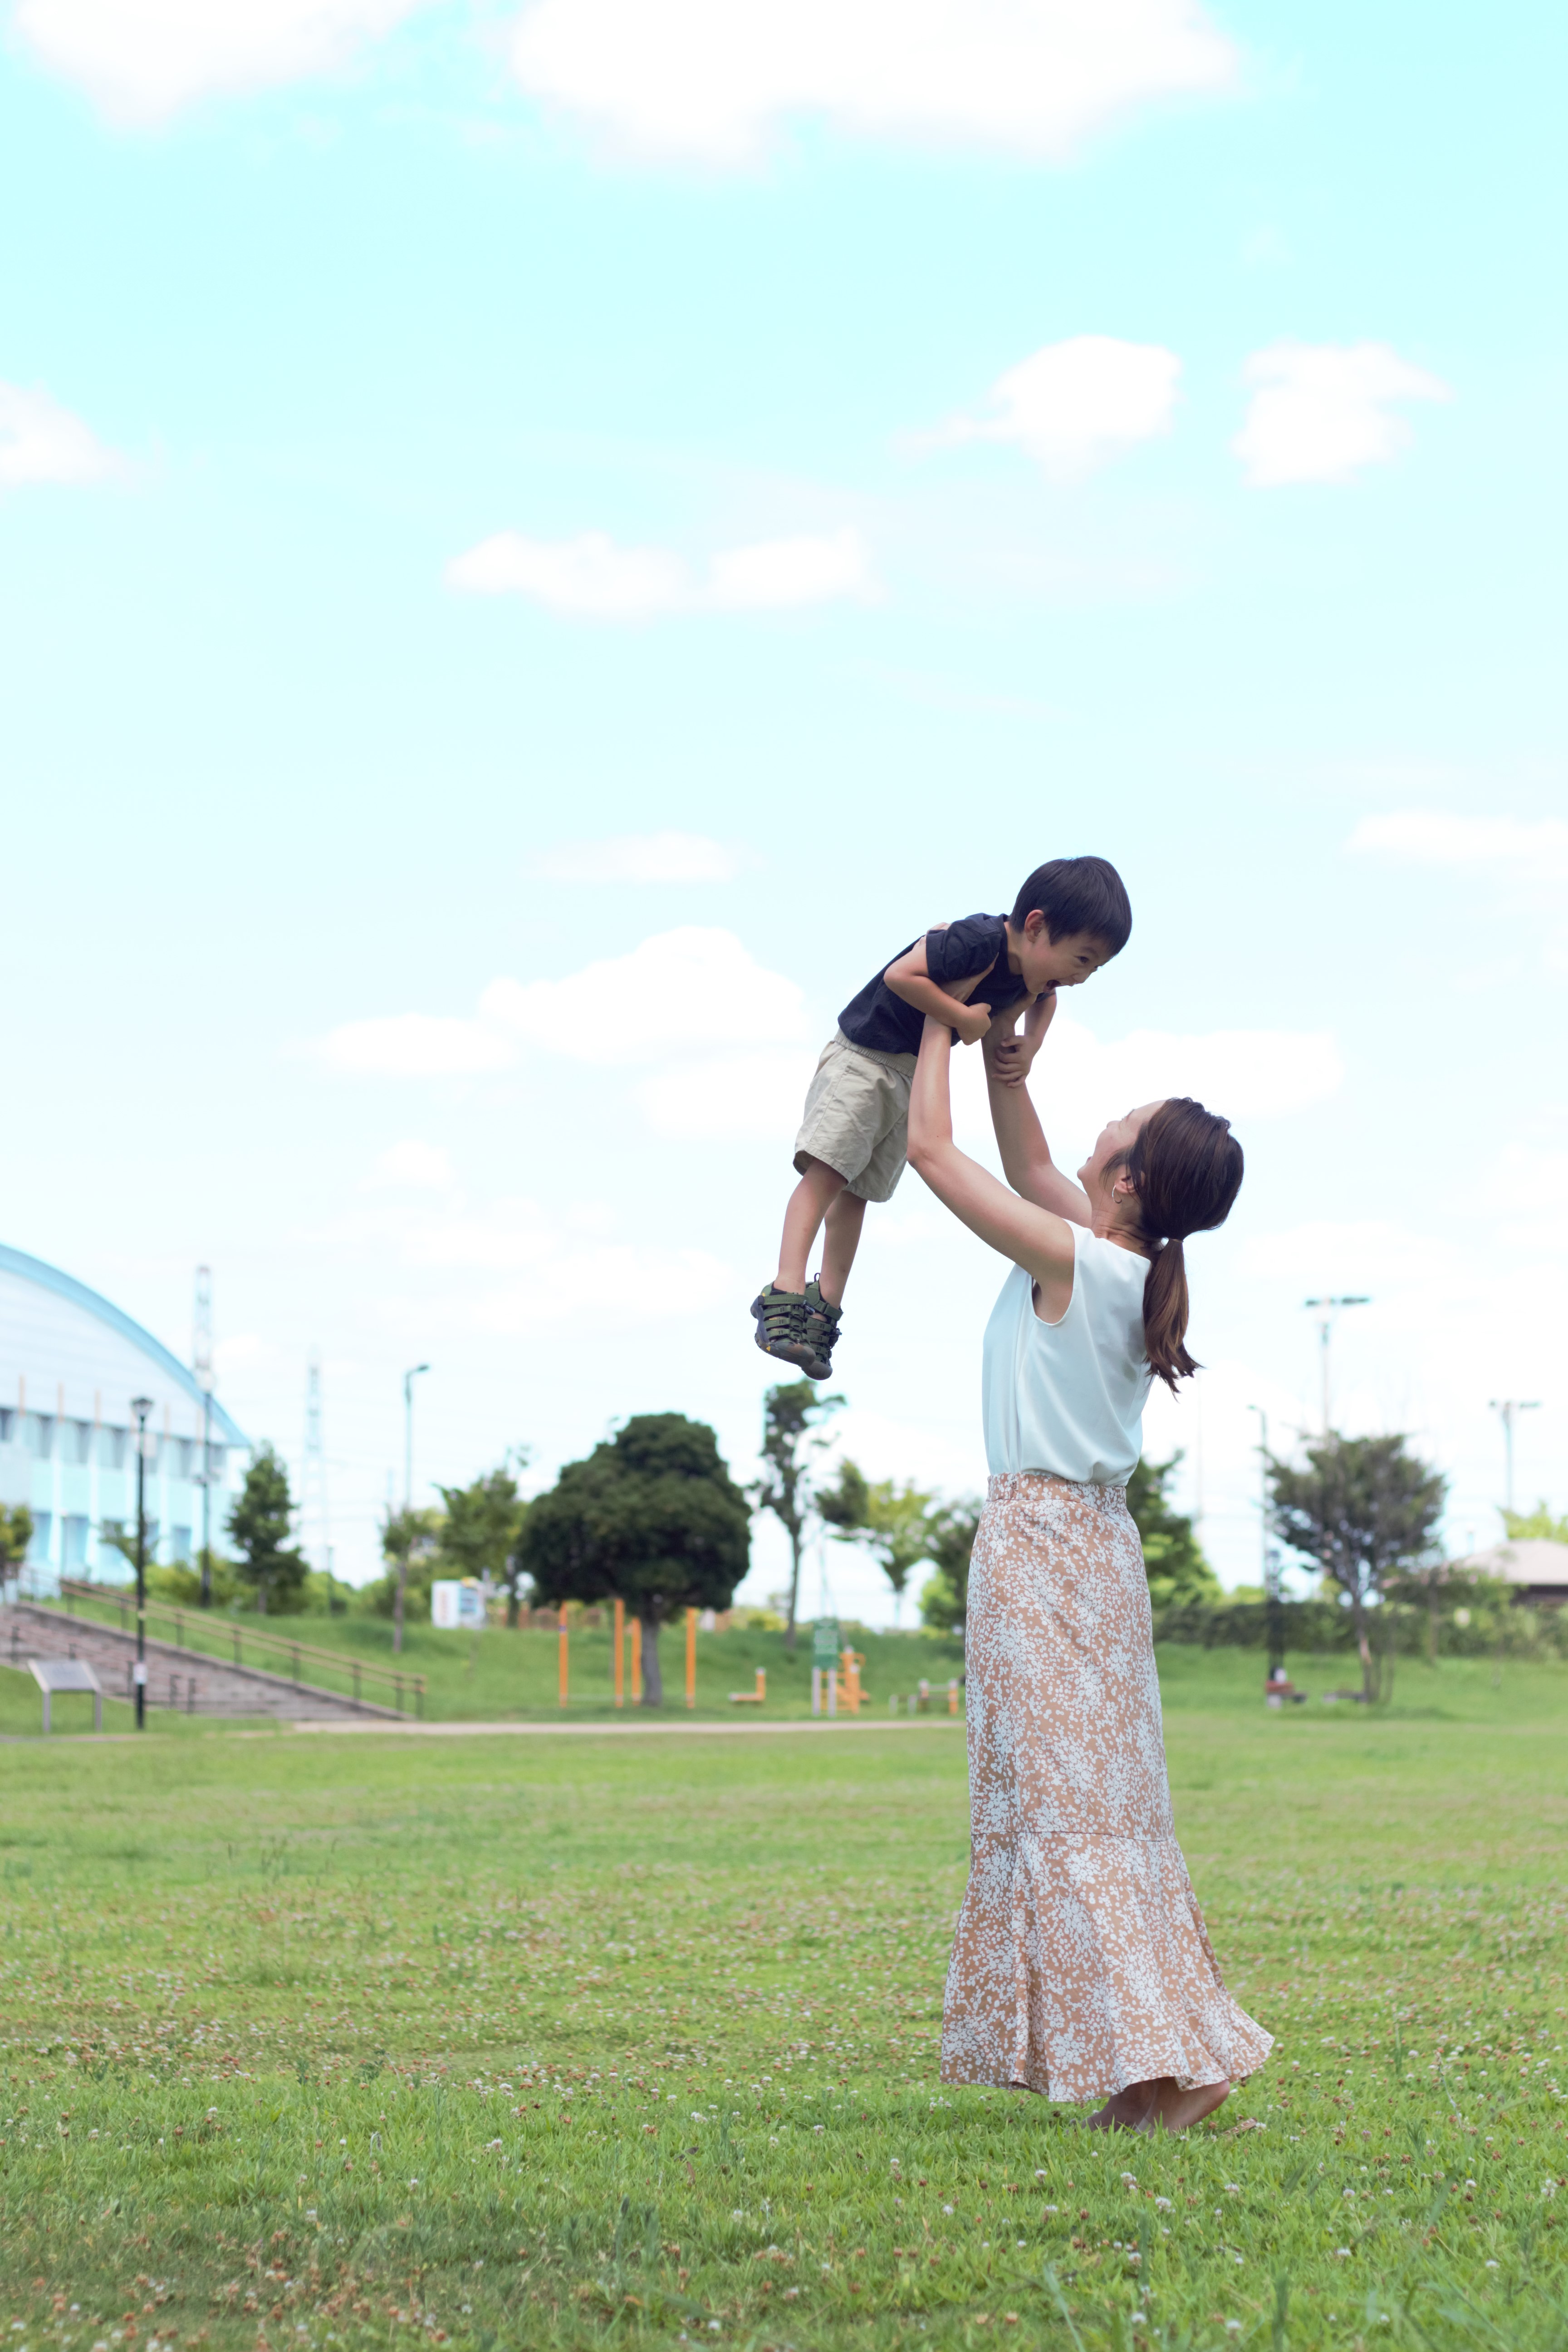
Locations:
(1034, 924)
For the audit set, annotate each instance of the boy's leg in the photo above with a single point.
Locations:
(814, 1198)
(840, 1240)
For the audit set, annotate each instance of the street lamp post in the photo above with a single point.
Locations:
(1507, 1410)
(140, 1407)
(1327, 1309)
(408, 1380)
(1272, 1593)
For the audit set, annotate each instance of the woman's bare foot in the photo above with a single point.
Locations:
(1129, 2110)
(1177, 2111)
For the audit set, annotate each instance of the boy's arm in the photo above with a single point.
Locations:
(908, 977)
(1025, 1155)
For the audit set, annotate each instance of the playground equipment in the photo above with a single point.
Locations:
(839, 1684)
(691, 1657)
(565, 1662)
(919, 1702)
(751, 1697)
(620, 1653)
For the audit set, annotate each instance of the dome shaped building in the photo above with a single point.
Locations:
(70, 1363)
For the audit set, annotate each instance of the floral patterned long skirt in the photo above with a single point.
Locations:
(1080, 1962)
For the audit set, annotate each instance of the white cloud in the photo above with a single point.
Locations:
(777, 573)
(682, 990)
(1075, 403)
(753, 1097)
(412, 1167)
(1241, 1072)
(1321, 410)
(144, 59)
(687, 988)
(591, 578)
(638, 858)
(42, 442)
(1429, 837)
(710, 79)
(415, 1046)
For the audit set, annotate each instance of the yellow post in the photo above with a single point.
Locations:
(635, 1629)
(620, 1654)
(691, 1657)
(566, 1669)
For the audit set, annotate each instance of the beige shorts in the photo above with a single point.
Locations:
(857, 1117)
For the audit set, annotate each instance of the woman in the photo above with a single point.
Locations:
(1080, 1967)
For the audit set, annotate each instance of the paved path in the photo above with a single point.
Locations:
(672, 1728)
(187, 1680)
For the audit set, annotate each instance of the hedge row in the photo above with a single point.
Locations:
(1321, 1626)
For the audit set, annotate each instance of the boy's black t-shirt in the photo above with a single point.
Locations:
(884, 1024)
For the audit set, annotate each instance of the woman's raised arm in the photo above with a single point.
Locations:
(1033, 1237)
(1025, 1155)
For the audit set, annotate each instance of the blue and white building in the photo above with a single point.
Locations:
(71, 1362)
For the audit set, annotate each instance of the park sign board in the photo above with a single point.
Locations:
(457, 1602)
(825, 1643)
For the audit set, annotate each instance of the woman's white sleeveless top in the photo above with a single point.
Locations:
(1068, 1397)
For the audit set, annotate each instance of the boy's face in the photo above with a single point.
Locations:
(1044, 963)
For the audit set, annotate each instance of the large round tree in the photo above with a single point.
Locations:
(653, 1518)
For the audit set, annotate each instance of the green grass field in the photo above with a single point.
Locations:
(313, 2042)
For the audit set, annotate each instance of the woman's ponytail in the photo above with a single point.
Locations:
(1165, 1314)
(1186, 1167)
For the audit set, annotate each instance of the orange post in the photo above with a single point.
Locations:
(691, 1657)
(635, 1629)
(620, 1654)
(565, 1668)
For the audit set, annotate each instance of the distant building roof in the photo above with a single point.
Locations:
(1531, 1560)
(90, 1302)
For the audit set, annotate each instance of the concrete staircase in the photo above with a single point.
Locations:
(186, 1680)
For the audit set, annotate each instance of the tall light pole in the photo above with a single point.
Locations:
(140, 1407)
(408, 1380)
(1326, 1310)
(202, 1355)
(1272, 1593)
(1507, 1410)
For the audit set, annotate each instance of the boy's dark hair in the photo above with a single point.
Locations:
(1077, 894)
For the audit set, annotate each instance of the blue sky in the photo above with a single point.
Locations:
(483, 501)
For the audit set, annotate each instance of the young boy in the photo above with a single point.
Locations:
(1071, 916)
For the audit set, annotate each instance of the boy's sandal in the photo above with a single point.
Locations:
(781, 1328)
(822, 1327)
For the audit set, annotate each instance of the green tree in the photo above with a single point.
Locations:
(792, 1415)
(653, 1518)
(1174, 1558)
(484, 1520)
(1364, 1510)
(1535, 1527)
(410, 1543)
(944, 1597)
(261, 1523)
(15, 1534)
(896, 1523)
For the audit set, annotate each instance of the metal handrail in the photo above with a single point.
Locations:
(73, 1589)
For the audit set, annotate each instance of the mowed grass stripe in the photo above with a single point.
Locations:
(572, 2043)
